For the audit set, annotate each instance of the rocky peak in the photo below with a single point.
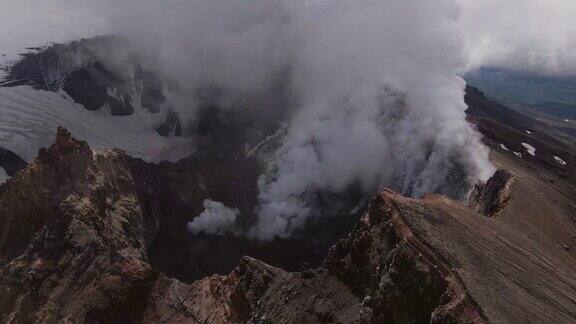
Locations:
(66, 150)
(72, 239)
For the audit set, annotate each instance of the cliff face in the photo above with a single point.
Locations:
(72, 239)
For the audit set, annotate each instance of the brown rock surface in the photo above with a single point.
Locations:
(72, 239)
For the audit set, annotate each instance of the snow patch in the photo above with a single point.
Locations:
(518, 154)
(215, 219)
(531, 150)
(528, 132)
(502, 146)
(3, 175)
(559, 160)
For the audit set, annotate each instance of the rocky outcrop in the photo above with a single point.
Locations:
(402, 278)
(216, 299)
(491, 197)
(72, 239)
(89, 86)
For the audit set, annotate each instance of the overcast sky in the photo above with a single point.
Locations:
(25, 23)
(537, 35)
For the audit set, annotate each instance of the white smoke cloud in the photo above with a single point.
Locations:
(535, 35)
(527, 35)
(215, 219)
(381, 106)
(375, 96)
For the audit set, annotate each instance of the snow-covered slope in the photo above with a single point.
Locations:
(29, 118)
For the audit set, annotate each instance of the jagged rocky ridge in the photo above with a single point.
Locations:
(77, 227)
(73, 244)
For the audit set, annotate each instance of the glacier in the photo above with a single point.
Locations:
(29, 119)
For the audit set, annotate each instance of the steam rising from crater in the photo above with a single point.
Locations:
(215, 219)
(374, 96)
(369, 89)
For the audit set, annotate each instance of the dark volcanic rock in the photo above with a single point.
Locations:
(89, 86)
(402, 279)
(11, 162)
(84, 71)
(491, 197)
(47, 68)
(171, 125)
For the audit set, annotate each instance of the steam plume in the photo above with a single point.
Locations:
(374, 92)
(215, 219)
(374, 96)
